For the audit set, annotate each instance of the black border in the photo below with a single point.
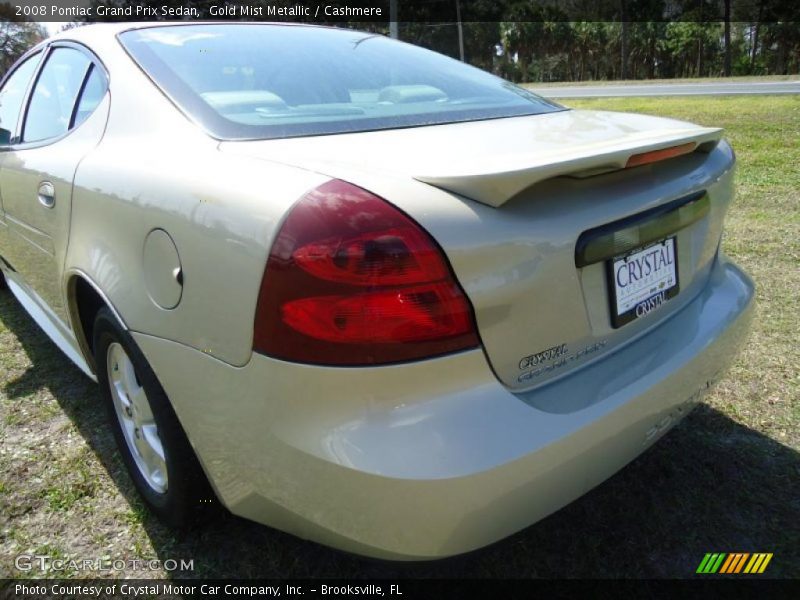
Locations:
(469, 11)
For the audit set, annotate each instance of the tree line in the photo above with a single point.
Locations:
(16, 37)
(580, 51)
(577, 40)
(565, 40)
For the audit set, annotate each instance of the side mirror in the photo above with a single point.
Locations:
(5, 137)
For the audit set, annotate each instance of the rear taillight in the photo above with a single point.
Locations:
(351, 280)
(645, 158)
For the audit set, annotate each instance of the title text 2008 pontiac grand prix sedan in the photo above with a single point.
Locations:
(356, 290)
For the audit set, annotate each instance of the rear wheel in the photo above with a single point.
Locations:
(152, 442)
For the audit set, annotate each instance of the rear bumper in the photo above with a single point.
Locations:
(437, 458)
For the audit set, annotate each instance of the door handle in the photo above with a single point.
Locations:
(47, 194)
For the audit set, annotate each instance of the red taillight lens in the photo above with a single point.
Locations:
(392, 257)
(409, 314)
(351, 280)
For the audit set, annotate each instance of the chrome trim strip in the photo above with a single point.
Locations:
(72, 275)
(33, 236)
(97, 289)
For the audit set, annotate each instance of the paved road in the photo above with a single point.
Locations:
(671, 89)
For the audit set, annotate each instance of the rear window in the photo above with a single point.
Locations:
(244, 81)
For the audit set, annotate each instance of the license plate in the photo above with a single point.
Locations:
(642, 280)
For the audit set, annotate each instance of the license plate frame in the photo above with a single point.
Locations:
(661, 288)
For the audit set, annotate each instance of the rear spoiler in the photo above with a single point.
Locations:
(499, 179)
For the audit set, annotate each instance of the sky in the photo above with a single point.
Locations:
(52, 27)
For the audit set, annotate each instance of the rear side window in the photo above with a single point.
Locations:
(54, 95)
(12, 96)
(92, 94)
(255, 81)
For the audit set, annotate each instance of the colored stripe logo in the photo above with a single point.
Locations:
(734, 563)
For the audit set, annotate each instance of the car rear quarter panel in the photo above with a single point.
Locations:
(155, 169)
(221, 215)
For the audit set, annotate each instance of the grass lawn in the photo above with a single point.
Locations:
(727, 479)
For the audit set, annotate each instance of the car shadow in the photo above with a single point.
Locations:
(711, 485)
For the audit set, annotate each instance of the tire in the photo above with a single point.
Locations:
(171, 481)
(3, 284)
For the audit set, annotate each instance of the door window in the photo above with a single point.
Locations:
(92, 94)
(54, 95)
(12, 96)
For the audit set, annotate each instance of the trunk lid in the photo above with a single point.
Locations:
(509, 199)
(491, 161)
